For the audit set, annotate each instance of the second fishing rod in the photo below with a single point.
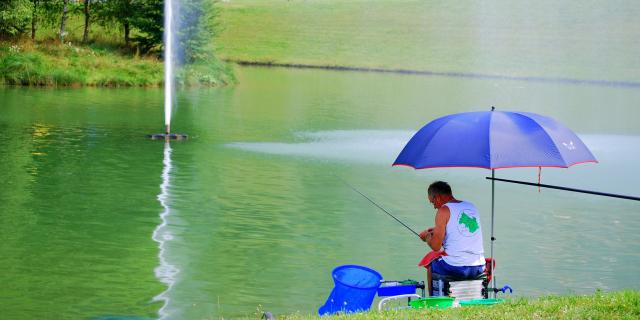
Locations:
(379, 206)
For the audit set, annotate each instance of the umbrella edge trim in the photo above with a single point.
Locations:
(490, 168)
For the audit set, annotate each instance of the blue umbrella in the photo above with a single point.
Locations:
(494, 140)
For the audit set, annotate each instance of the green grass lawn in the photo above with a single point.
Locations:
(573, 39)
(614, 305)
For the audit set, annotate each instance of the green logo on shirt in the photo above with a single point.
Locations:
(469, 222)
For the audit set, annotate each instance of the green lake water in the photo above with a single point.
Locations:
(97, 221)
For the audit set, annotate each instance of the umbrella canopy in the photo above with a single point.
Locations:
(494, 140)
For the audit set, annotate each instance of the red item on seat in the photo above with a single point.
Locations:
(426, 261)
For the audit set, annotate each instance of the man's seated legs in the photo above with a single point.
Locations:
(440, 267)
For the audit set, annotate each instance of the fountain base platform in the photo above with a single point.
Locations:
(168, 136)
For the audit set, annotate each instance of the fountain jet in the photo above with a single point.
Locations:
(169, 45)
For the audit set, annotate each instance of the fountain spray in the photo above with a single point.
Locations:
(168, 64)
(169, 45)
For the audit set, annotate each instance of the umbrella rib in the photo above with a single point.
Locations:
(547, 137)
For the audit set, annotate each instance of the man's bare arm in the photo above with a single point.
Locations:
(437, 236)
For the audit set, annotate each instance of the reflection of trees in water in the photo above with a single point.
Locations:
(19, 155)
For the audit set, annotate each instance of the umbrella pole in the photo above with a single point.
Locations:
(493, 197)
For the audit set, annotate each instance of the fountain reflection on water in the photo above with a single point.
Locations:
(165, 272)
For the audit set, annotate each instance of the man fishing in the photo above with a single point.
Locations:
(456, 238)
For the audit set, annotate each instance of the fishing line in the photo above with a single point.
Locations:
(377, 205)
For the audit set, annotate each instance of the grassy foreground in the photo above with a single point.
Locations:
(54, 64)
(613, 305)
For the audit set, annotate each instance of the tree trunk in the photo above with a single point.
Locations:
(63, 21)
(126, 33)
(87, 20)
(34, 18)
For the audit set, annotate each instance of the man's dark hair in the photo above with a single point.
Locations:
(439, 187)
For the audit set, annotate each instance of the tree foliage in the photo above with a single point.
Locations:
(120, 13)
(15, 17)
(196, 29)
(150, 24)
(141, 21)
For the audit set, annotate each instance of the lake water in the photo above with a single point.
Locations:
(97, 221)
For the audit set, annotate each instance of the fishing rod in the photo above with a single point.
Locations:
(379, 207)
(612, 195)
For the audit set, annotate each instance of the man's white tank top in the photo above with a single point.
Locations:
(463, 236)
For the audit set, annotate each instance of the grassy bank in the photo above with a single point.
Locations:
(54, 64)
(569, 39)
(614, 305)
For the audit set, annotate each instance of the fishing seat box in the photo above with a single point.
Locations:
(461, 288)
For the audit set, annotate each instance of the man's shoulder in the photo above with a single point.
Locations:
(444, 210)
(467, 203)
(463, 206)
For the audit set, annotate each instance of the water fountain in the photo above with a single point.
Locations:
(166, 272)
(169, 57)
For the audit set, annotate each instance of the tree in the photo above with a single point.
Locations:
(63, 20)
(115, 13)
(196, 29)
(122, 12)
(14, 17)
(87, 20)
(150, 24)
(42, 11)
(48, 13)
(34, 19)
